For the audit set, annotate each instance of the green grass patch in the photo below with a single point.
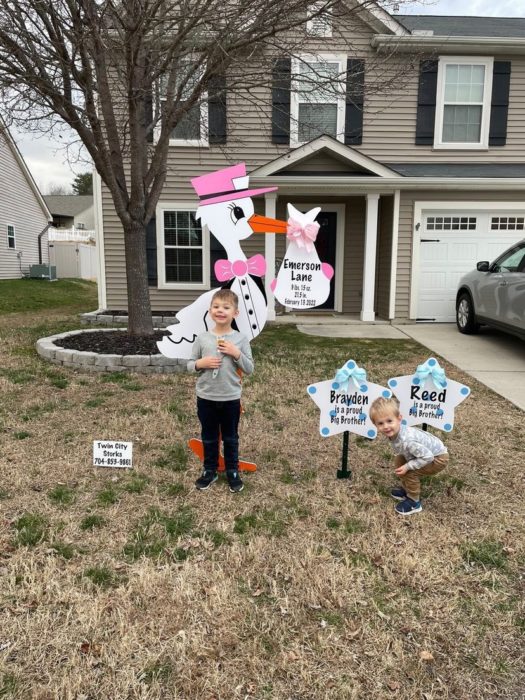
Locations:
(17, 296)
(157, 532)
(95, 403)
(31, 529)
(137, 484)
(486, 553)
(157, 672)
(63, 549)
(8, 686)
(62, 495)
(21, 435)
(92, 522)
(38, 411)
(176, 489)
(108, 496)
(218, 537)
(174, 458)
(4, 495)
(17, 376)
(101, 576)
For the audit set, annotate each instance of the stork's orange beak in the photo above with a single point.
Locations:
(263, 224)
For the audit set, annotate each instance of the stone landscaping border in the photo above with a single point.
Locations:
(97, 362)
(108, 319)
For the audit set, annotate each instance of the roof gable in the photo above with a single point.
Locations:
(324, 156)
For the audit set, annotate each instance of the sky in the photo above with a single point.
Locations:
(48, 162)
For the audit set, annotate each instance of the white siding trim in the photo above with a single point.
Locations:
(161, 261)
(419, 207)
(370, 258)
(99, 238)
(393, 253)
(270, 208)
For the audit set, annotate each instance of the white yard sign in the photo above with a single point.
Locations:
(108, 453)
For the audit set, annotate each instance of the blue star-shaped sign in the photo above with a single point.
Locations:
(344, 402)
(428, 396)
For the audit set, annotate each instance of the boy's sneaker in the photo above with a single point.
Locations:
(234, 481)
(408, 507)
(206, 479)
(399, 494)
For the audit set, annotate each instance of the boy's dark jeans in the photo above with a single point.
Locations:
(220, 417)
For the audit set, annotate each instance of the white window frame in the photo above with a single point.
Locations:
(161, 249)
(294, 98)
(11, 236)
(483, 143)
(314, 26)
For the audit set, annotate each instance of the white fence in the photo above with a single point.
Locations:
(73, 259)
(71, 234)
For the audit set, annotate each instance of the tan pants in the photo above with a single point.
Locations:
(411, 480)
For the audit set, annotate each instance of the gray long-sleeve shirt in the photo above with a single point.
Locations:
(226, 385)
(417, 446)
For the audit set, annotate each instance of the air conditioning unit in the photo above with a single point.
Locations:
(44, 272)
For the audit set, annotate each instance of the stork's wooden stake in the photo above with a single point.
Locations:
(344, 472)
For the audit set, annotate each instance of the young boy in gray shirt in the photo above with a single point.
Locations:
(417, 453)
(220, 356)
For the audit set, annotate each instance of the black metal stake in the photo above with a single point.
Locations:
(424, 426)
(344, 472)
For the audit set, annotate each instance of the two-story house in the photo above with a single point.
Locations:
(415, 184)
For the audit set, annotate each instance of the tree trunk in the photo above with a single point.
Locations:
(140, 321)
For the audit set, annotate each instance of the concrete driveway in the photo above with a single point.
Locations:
(493, 358)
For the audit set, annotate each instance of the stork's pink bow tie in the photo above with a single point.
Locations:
(303, 236)
(226, 270)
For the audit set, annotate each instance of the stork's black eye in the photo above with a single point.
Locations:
(236, 213)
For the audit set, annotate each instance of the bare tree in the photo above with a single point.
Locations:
(122, 75)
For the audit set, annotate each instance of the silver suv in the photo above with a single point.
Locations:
(494, 294)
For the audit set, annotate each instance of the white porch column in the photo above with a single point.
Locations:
(369, 267)
(270, 208)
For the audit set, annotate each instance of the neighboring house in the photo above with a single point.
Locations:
(415, 186)
(24, 216)
(72, 211)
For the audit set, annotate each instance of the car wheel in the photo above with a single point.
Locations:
(465, 316)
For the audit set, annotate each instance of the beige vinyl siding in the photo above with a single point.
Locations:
(20, 208)
(390, 126)
(406, 224)
(384, 248)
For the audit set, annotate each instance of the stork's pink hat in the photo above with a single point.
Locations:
(225, 185)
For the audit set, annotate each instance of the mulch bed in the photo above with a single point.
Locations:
(113, 343)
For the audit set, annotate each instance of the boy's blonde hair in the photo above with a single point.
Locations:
(381, 406)
(226, 295)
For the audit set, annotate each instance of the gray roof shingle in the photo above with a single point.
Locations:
(466, 26)
(68, 204)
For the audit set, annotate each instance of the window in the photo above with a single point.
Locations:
(183, 258)
(192, 128)
(512, 262)
(321, 24)
(507, 223)
(463, 103)
(11, 243)
(318, 98)
(451, 223)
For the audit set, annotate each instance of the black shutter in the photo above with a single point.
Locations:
(281, 87)
(500, 103)
(217, 109)
(426, 103)
(151, 252)
(355, 85)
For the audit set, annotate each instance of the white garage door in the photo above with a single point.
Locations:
(452, 242)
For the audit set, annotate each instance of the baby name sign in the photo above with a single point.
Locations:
(428, 396)
(303, 281)
(344, 402)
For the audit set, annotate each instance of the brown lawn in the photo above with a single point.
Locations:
(122, 585)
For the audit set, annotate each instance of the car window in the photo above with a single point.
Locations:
(513, 262)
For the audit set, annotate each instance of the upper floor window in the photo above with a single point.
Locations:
(464, 88)
(317, 104)
(321, 24)
(11, 243)
(183, 258)
(192, 127)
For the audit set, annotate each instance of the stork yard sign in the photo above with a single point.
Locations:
(428, 396)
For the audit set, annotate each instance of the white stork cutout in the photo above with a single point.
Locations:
(226, 208)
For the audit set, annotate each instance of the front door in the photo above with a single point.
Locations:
(325, 245)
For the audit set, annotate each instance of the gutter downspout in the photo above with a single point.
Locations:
(42, 232)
